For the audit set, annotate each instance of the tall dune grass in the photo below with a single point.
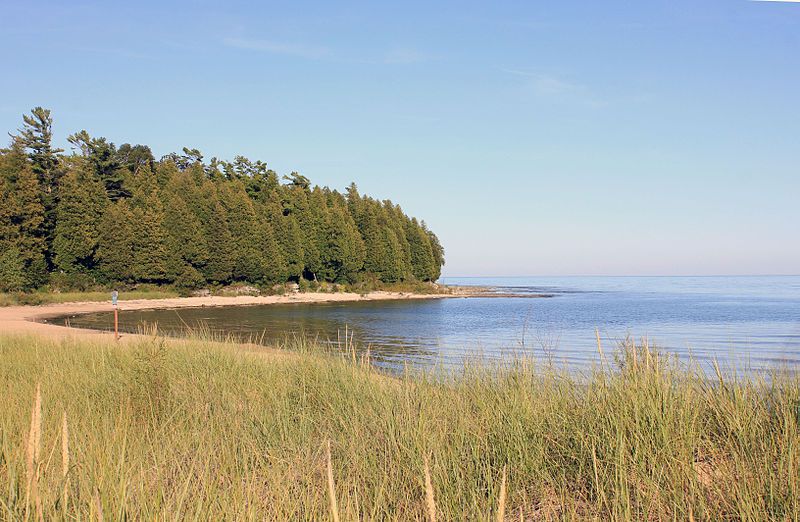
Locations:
(205, 430)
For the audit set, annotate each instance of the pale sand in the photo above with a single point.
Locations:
(26, 319)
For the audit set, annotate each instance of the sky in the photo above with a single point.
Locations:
(535, 138)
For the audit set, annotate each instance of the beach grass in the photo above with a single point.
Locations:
(45, 297)
(197, 429)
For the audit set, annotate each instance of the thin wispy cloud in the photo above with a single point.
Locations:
(551, 86)
(396, 55)
(546, 83)
(404, 55)
(289, 49)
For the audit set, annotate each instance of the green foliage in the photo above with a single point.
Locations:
(221, 246)
(134, 157)
(290, 240)
(53, 295)
(273, 265)
(150, 255)
(118, 215)
(375, 255)
(22, 215)
(12, 271)
(78, 213)
(438, 253)
(189, 279)
(186, 245)
(249, 261)
(393, 269)
(67, 282)
(343, 248)
(423, 263)
(36, 136)
(116, 243)
(105, 163)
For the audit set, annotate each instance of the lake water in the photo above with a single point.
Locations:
(750, 322)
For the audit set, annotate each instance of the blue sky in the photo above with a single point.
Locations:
(540, 138)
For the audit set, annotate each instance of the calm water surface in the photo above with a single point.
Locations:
(750, 322)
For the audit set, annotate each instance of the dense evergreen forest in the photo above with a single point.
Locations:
(103, 214)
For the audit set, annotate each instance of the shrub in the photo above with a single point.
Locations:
(188, 280)
(78, 282)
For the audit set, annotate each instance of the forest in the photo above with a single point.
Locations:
(103, 214)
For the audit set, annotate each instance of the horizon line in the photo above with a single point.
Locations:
(620, 275)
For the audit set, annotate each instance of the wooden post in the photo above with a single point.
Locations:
(116, 324)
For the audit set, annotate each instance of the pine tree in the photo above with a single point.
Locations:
(354, 203)
(343, 250)
(12, 271)
(150, 238)
(32, 242)
(438, 252)
(186, 243)
(205, 198)
(78, 214)
(36, 137)
(243, 225)
(394, 219)
(288, 237)
(103, 161)
(115, 245)
(221, 261)
(150, 243)
(422, 260)
(22, 215)
(169, 177)
(274, 267)
(312, 221)
(9, 209)
(374, 241)
(133, 157)
(309, 216)
(392, 269)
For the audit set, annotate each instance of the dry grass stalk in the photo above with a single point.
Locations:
(501, 503)
(65, 459)
(98, 505)
(331, 486)
(429, 501)
(599, 345)
(32, 452)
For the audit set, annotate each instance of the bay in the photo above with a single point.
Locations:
(751, 323)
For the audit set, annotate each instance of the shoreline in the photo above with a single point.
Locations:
(27, 319)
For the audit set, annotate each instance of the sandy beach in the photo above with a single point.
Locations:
(27, 319)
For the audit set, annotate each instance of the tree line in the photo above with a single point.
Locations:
(104, 214)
